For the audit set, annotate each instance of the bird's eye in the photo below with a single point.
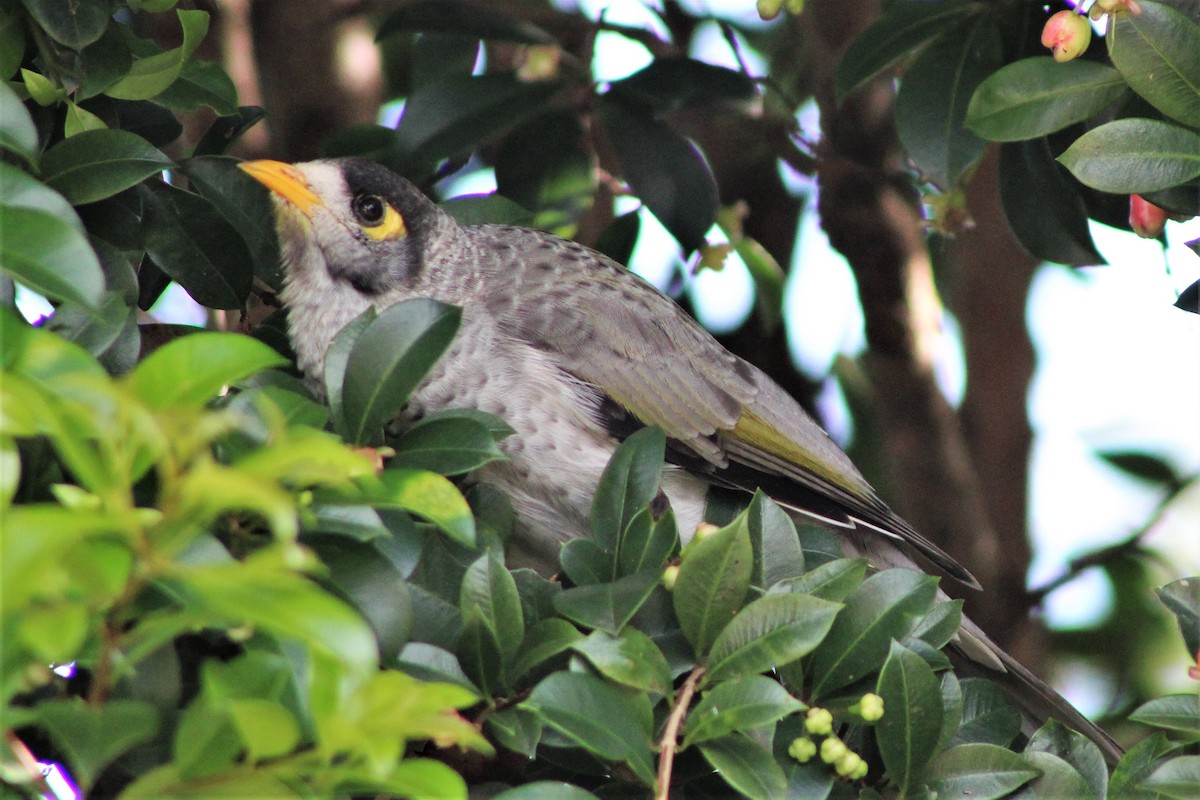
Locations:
(369, 208)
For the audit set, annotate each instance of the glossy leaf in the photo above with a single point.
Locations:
(150, 75)
(188, 371)
(672, 83)
(94, 165)
(884, 607)
(1137, 764)
(199, 84)
(543, 641)
(1055, 231)
(777, 552)
(226, 130)
(49, 255)
(1036, 96)
(1178, 778)
(612, 723)
(931, 106)
(647, 542)
(1182, 597)
(1058, 778)
(630, 659)
(1134, 156)
(1177, 712)
(545, 790)
(1143, 466)
(12, 45)
(714, 577)
(17, 132)
(771, 631)
(75, 25)
(832, 580)
(370, 581)
(629, 482)
(1077, 750)
(1157, 51)
(741, 704)
(898, 33)
(746, 766)
(427, 662)
(978, 771)
(448, 446)
(988, 715)
(665, 170)
(429, 495)
(389, 360)
(93, 735)
(908, 732)
(196, 246)
(489, 588)
(607, 606)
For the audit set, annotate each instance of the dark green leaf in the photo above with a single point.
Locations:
(517, 730)
(91, 736)
(454, 16)
(545, 790)
(1058, 779)
(48, 254)
(585, 562)
(613, 724)
(155, 70)
(430, 663)
(833, 580)
(673, 83)
(75, 25)
(884, 607)
(771, 631)
(607, 606)
(941, 624)
(1055, 231)
(741, 704)
(437, 55)
(1151, 469)
(1182, 597)
(17, 132)
(543, 641)
(226, 130)
(1134, 156)
(242, 202)
(337, 357)
(908, 731)
(905, 28)
(489, 589)
(630, 659)
(1189, 298)
(714, 577)
(746, 766)
(1077, 750)
(777, 552)
(1177, 778)
(931, 106)
(620, 237)
(192, 370)
(1177, 712)
(96, 164)
(1036, 96)
(1136, 765)
(12, 45)
(200, 83)
(647, 542)
(1157, 51)
(978, 771)
(988, 715)
(479, 654)
(107, 60)
(371, 582)
(664, 169)
(544, 166)
(193, 243)
(389, 360)
(630, 482)
(487, 209)
(447, 446)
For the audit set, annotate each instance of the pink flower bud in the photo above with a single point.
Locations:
(1145, 218)
(1067, 35)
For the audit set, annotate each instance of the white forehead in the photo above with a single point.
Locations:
(327, 182)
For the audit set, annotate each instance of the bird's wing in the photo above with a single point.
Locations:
(725, 417)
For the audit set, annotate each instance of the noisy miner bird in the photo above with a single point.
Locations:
(574, 352)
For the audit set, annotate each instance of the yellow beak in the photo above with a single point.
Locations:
(285, 181)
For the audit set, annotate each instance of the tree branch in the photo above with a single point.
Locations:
(670, 736)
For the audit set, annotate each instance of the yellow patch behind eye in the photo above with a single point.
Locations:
(392, 227)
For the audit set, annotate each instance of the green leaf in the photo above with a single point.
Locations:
(630, 659)
(429, 495)
(543, 641)
(665, 170)
(191, 241)
(898, 33)
(545, 790)
(1058, 779)
(585, 562)
(490, 589)
(74, 25)
(79, 120)
(978, 771)
(1077, 750)
(17, 132)
(1177, 778)
(389, 360)
(542, 167)
(884, 607)
(454, 16)
(1055, 231)
(205, 743)
(931, 106)
(941, 624)
(1182, 598)
(93, 165)
(91, 736)
(265, 727)
(607, 606)
(478, 652)
(1176, 712)
(200, 83)
(1143, 466)
(448, 446)
(337, 357)
(225, 131)
(12, 47)
(432, 664)
(611, 723)
(777, 552)
(988, 714)
(629, 483)
(150, 75)
(741, 704)
(746, 766)
(714, 577)
(48, 254)
(647, 542)
(456, 113)
(1158, 52)
(1134, 156)
(771, 631)
(423, 777)
(1036, 96)
(908, 731)
(675, 82)
(833, 580)
(191, 370)
(1136, 765)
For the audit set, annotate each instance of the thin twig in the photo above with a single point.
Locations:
(670, 736)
